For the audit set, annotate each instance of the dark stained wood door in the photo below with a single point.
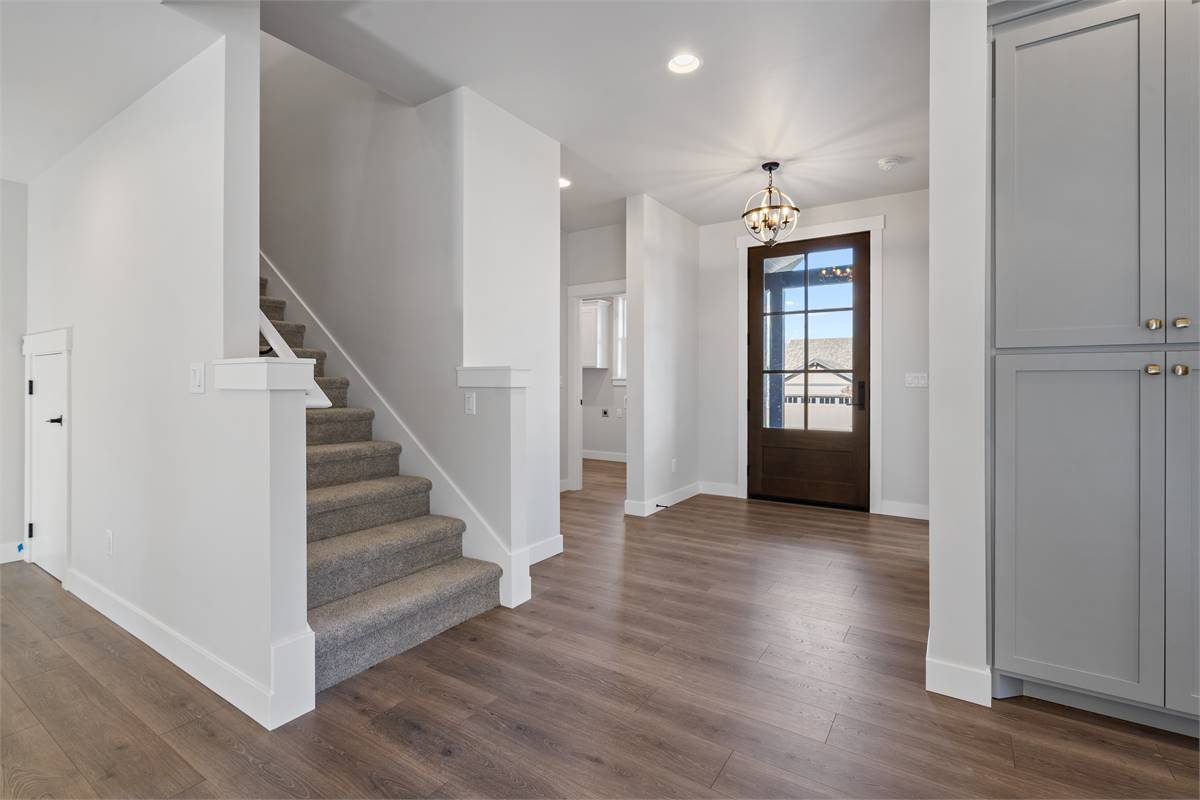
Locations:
(809, 430)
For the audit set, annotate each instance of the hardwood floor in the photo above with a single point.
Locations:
(717, 649)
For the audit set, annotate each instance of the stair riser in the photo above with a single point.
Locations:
(353, 578)
(293, 336)
(333, 473)
(274, 309)
(262, 286)
(358, 430)
(336, 395)
(368, 515)
(349, 659)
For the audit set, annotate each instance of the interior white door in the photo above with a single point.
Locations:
(48, 463)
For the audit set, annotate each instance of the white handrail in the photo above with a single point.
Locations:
(314, 397)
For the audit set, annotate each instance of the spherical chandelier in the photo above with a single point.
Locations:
(770, 214)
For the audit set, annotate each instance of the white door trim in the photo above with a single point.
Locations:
(574, 379)
(45, 343)
(875, 226)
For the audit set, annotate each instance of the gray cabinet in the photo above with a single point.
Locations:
(1079, 178)
(1183, 532)
(1183, 172)
(1079, 520)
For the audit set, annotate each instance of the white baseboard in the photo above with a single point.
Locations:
(9, 552)
(603, 455)
(545, 549)
(972, 684)
(895, 508)
(564, 485)
(646, 508)
(721, 489)
(250, 696)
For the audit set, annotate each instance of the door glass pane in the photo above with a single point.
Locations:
(783, 400)
(783, 283)
(830, 277)
(831, 340)
(830, 401)
(783, 342)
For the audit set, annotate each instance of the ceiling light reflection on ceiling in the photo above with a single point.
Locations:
(683, 63)
(563, 183)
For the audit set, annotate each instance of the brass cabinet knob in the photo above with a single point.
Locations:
(1182, 322)
(1181, 369)
(1154, 369)
(1153, 324)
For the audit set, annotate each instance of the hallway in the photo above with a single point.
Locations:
(718, 648)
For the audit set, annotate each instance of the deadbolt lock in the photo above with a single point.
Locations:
(1153, 323)
(1181, 369)
(1154, 369)
(1182, 322)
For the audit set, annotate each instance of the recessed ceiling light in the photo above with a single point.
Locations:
(563, 183)
(889, 163)
(683, 63)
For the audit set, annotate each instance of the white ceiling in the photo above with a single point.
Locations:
(66, 68)
(827, 88)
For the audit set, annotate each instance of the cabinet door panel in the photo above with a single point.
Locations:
(1079, 521)
(1183, 534)
(1183, 173)
(1079, 246)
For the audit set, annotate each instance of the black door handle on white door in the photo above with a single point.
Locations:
(56, 420)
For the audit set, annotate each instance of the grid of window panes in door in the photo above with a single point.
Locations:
(808, 341)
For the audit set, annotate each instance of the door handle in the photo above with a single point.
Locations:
(56, 420)
(1182, 322)
(862, 395)
(1154, 369)
(1181, 369)
(1153, 324)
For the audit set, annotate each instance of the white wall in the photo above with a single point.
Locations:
(662, 277)
(603, 437)
(12, 367)
(904, 343)
(398, 226)
(596, 255)
(127, 247)
(957, 655)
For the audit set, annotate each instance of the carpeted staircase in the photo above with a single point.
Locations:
(384, 574)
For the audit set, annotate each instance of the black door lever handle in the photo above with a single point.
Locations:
(56, 420)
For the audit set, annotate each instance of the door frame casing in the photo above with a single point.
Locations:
(45, 343)
(874, 226)
(576, 293)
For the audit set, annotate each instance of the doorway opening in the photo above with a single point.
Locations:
(597, 366)
(809, 354)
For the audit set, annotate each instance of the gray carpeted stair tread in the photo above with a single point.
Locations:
(359, 493)
(328, 416)
(353, 617)
(273, 307)
(346, 451)
(327, 555)
(292, 333)
(336, 389)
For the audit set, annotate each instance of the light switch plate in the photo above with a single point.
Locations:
(916, 380)
(196, 378)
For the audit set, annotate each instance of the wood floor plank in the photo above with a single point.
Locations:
(41, 598)
(24, 649)
(744, 776)
(116, 753)
(33, 765)
(157, 692)
(14, 714)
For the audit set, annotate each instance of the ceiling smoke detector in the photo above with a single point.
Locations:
(888, 163)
